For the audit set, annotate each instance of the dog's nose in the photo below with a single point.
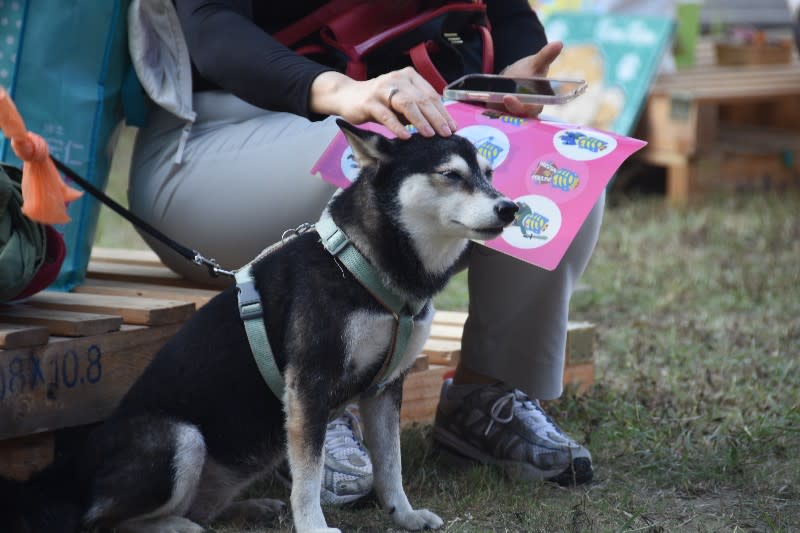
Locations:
(506, 210)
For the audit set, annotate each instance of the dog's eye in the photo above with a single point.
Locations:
(489, 173)
(451, 175)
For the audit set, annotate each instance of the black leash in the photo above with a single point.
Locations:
(214, 270)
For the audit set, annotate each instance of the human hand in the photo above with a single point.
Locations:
(536, 65)
(391, 99)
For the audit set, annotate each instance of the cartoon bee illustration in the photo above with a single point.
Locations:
(530, 223)
(508, 119)
(574, 138)
(566, 180)
(560, 178)
(488, 149)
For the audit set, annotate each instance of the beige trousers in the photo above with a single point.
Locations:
(245, 178)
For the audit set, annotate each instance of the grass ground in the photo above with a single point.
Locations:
(694, 421)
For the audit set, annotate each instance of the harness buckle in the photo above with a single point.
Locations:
(336, 242)
(249, 301)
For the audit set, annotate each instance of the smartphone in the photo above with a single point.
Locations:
(492, 88)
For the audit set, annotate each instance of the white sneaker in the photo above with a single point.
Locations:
(348, 470)
(347, 473)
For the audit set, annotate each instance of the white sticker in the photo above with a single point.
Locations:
(490, 142)
(350, 167)
(537, 222)
(584, 145)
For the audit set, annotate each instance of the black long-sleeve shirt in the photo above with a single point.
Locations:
(231, 47)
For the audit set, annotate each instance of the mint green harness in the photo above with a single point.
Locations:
(339, 246)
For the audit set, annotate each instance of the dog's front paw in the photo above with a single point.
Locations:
(417, 519)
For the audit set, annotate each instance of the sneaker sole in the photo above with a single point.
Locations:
(515, 470)
(327, 497)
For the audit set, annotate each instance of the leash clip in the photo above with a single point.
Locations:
(214, 270)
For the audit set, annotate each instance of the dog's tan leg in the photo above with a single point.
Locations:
(305, 435)
(382, 429)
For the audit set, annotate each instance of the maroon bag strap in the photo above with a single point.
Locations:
(488, 50)
(425, 67)
(312, 23)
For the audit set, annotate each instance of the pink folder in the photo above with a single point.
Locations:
(555, 172)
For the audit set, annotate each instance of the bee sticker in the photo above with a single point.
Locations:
(490, 142)
(506, 119)
(536, 223)
(584, 145)
(531, 224)
(560, 178)
(587, 142)
(349, 165)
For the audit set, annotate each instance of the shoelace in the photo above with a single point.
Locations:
(344, 432)
(514, 399)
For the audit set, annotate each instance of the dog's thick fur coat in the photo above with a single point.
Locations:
(200, 424)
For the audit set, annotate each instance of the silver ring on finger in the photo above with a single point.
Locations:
(392, 91)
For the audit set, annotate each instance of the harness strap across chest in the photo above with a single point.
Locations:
(339, 246)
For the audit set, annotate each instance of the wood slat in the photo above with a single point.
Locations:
(420, 363)
(421, 394)
(73, 381)
(159, 275)
(579, 377)
(442, 351)
(133, 310)
(441, 331)
(730, 83)
(66, 323)
(450, 318)
(125, 256)
(147, 290)
(24, 455)
(19, 335)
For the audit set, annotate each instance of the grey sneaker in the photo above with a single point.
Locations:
(347, 473)
(499, 425)
(348, 470)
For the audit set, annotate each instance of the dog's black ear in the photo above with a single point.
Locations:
(369, 148)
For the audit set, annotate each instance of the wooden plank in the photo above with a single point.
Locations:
(579, 377)
(147, 290)
(750, 79)
(450, 318)
(421, 394)
(22, 456)
(580, 343)
(159, 275)
(19, 335)
(439, 331)
(125, 256)
(73, 381)
(442, 351)
(67, 323)
(141, 311)
(420, 363)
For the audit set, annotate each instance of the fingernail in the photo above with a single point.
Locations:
(446, 129)
(428, 131)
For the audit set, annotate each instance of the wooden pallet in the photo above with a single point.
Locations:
(67, 358)
(715, 128)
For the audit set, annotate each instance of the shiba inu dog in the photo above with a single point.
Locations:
(201, 424)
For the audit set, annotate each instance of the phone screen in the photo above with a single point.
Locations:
(517, 85)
